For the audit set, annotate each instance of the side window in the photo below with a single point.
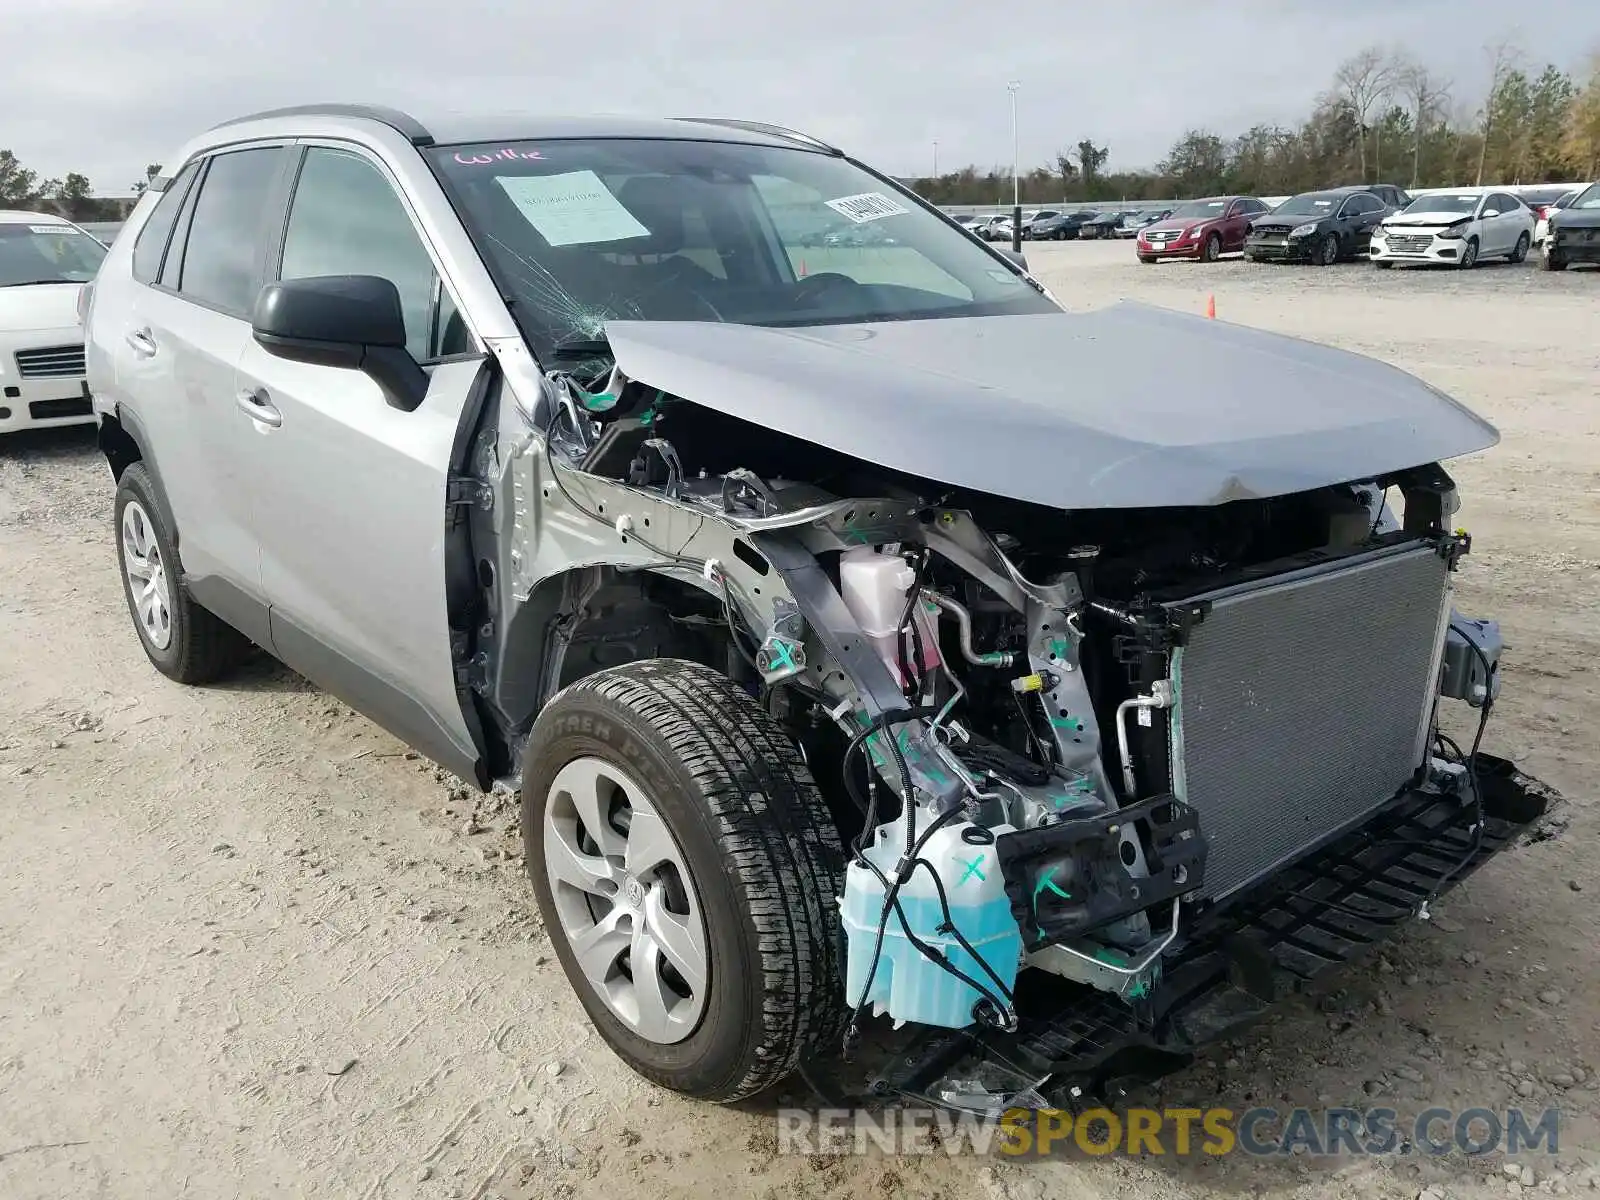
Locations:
(225, 232)
(151, 245)
(346, 219)
(1503, 203)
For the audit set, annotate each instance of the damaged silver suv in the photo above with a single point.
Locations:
(877, 647)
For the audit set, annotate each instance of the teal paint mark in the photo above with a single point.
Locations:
(1049, 883)
(974, 867)
(598, 401)
(1139, 990)
(1059, 647)
(785, 653)
(1072, 723)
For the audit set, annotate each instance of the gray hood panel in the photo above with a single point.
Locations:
(1127, 407)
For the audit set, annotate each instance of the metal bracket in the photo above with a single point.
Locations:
(470, 492)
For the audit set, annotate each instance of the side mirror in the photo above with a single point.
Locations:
(1491, 212)
(1016, 256)
(349, 321)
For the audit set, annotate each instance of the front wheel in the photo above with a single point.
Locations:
(1553, 261)
(1328, 250)
(1212, 249)
(688, 872)
(1147, 259)
(1520, 254)
(1469, 254)
(1382, 264)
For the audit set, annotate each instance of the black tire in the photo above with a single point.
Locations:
(1554, 262)
(1147, 259)
(1212, 249)
(763, 854)
(1327, 252)
(202, 647)
(1520, 254)
(1469, 254)
(1382, 264)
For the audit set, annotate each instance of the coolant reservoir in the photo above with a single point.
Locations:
(874, 586)
(907, 984)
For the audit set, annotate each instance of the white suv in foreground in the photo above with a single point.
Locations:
(44, 263)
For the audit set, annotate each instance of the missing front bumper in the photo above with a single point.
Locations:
(1232, 964)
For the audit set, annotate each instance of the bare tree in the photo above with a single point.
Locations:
(1364, 81)
(1504, 53)
(1427, 94)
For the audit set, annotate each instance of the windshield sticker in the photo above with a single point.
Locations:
(574, 209)
(506, 155)
(52, 229)
(868, 206)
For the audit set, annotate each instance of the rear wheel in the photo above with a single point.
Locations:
(688, 872)
(182, 640)
(1520, 254)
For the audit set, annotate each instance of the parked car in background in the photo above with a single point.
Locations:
(1031, 222)
(1102, 225)
(1543, 211)
(1200, 229)
(1394, 196)
(1317, 227)
(1456, 229)
(1574, 235)
(1131, 223)
(998, 229)
(1064, 227)
(972, 223)
(44, 263)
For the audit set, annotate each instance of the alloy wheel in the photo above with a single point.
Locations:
(625, 900)
(145, 576)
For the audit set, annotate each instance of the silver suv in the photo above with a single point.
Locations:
(867, 636)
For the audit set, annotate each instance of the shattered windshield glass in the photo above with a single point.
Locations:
(583, 231)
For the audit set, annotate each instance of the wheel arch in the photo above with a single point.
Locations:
(123, 442)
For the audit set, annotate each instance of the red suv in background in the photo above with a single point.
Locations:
(1201, 229)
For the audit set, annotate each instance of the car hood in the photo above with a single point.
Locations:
(1576, 218)
(1428, 218)
(1176, 223)
(1065, 409)
(38, 306)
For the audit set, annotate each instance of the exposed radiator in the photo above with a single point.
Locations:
(1303, 703)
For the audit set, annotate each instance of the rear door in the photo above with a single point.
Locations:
(188, 327)
(351, 492)
(1364, 212)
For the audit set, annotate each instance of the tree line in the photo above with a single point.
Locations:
(1385, 117)
(71, 196)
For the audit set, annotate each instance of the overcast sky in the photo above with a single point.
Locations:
(105, 86)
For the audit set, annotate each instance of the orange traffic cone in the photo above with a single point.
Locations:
(1211, 307)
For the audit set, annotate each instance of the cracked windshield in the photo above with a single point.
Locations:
(582, 232)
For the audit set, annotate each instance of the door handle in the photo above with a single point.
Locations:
(143, 344)
(255, 402)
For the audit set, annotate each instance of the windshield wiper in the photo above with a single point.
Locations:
(36, 282)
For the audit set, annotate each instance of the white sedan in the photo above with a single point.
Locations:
(44, 263)
(1457, 229)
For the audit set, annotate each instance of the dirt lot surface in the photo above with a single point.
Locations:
(251, 947)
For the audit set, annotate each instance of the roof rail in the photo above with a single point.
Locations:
(408, 127)
(777, 131)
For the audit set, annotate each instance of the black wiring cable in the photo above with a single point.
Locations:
(961, 939)
(1476, 846)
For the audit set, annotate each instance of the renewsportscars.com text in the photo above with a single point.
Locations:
(1170, 1132)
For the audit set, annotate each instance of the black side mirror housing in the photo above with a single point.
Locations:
(349, 321)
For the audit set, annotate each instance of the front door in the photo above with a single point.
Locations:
(351, 492)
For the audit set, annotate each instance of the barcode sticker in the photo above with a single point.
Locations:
(868, 206)
(66, 229)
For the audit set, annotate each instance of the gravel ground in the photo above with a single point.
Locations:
(250, 946)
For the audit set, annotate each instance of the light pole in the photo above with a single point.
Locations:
(936, 158)
(1016, 186)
